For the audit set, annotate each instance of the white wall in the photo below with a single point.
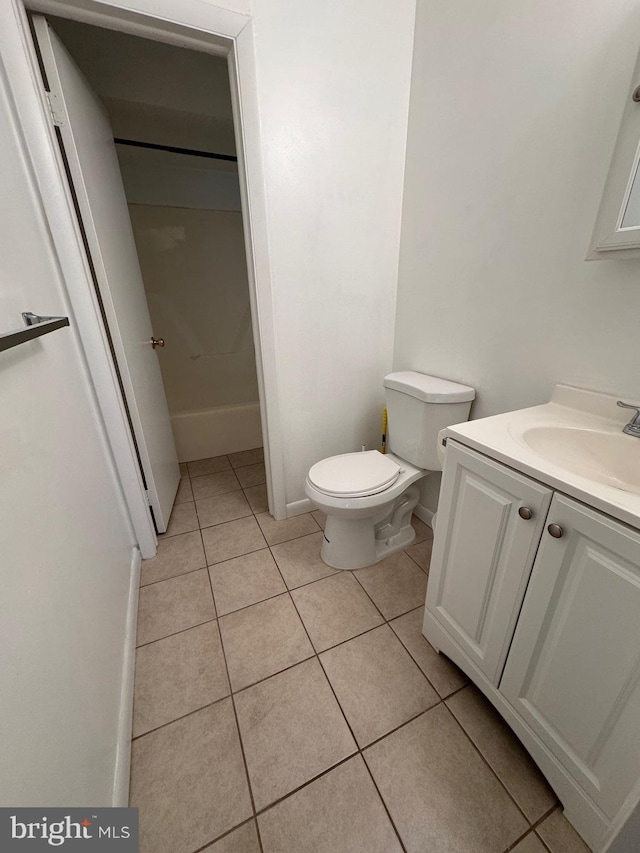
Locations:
(65, 541)
(333, 81)
(514, 113)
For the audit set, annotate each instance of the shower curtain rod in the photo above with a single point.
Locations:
(175, 150)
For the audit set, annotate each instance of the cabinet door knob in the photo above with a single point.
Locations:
(555, 530)
(157, 342)
(525, 512)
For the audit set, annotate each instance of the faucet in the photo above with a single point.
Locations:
(633, 427)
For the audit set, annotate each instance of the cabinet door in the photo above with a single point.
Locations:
(483, 553)
(573, 671)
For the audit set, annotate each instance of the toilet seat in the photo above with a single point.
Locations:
(354, 475)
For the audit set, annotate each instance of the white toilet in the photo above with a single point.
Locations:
(369, 496)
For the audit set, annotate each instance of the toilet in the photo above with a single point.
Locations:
(369, 497)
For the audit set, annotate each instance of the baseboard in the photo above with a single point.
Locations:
(299, 507)
(123, 752)
(424, 514)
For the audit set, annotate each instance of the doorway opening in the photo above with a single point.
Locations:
(170, 113)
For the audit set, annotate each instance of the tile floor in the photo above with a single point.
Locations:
(284, 707)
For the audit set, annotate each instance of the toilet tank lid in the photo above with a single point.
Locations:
(429, 389)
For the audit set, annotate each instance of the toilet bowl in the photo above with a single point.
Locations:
(368, 518)
(369, 497)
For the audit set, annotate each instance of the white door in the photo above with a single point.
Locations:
(573, 671)
(489, 525)
(93, 165)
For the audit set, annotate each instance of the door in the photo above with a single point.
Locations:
(489, 525)
(95, 174)
(573, 672)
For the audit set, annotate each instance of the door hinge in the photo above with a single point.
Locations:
(147, 495)
(55, 109)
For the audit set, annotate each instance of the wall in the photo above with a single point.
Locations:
(333, 82)
(513, 119)
(65, 539)
(514, 115)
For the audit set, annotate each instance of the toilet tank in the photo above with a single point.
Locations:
(418, 407)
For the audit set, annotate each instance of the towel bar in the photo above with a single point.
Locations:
(34, 327)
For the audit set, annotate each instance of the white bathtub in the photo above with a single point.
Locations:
(214, 432)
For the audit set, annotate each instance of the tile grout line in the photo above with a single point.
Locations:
(228, 832)
(181, 717)
(235, 714)
(484, 759)
(532, 830)
(176, 633)
(344, 716)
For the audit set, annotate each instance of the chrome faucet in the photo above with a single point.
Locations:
(633, 427)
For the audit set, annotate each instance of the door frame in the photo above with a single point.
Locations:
(186, 23)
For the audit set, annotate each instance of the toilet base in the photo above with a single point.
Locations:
(353, 543)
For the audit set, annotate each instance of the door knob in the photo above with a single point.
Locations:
(157, 342)
(525, 512)
(555, 530)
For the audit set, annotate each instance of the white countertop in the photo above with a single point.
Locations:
(500, 437)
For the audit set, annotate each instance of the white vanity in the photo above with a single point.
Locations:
(534, 590)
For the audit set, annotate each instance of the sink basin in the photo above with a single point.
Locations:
(610, 458)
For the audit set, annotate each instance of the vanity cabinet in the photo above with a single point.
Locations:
(543, 613)
(486, 544)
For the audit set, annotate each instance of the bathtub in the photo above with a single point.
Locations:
(215, 432)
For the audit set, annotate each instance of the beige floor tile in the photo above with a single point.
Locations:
(423, 531)
(440, 793)
(174, 771)
(184, 492)
(214, 484)
(251, 475)
(421, 554)
(178, 675)
(262, 640)
(530, 844)
(173, 605)
(335, 609)
(292, 730)
(245, 580)
(257, 497)
(378, 685)
(222, 508)
(176, 556)
(241, 840)
(441, 672)
(232, 539)
(320, 517)
(340, 811)
(503, 752)
(183, 519)
(247, 457)
(290, 528)
(299, 560)
(559, 836)
(184, 469)
(396, 585)
(212, 465)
